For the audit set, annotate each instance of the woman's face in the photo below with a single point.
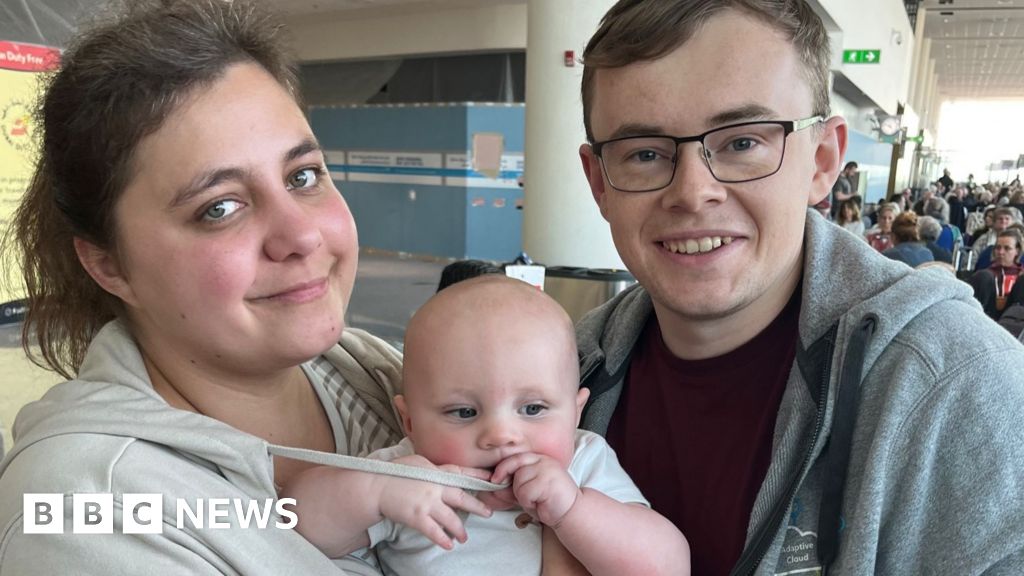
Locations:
(847, 213)
(1005, 252)
(885, 219)
(236, 250)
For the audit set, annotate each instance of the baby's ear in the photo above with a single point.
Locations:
(403, 411)
(581, 401)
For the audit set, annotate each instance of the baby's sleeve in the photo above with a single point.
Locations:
(595, 466)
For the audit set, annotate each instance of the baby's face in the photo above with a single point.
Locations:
(480, 406)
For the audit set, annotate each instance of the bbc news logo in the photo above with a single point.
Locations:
(143, 513)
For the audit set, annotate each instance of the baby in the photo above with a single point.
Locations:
(491, 389)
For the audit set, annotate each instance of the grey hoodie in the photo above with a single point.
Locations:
(109, 432)
(921, 395)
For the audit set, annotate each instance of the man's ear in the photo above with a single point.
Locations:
(595, 176)
(581, 401)
(103, 266)
(828, 159)
(403, 411)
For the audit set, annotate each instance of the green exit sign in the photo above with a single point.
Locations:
(861, 56)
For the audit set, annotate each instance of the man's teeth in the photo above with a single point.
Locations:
(696, 245)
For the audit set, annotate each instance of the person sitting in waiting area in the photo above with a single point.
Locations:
(849, 216)
(993, 285)
(929, 229)
(908, 247)
(880, 235)
(1001, 218)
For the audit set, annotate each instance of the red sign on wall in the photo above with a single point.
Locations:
(28, 57)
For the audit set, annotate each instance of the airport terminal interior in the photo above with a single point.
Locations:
(452, 128)
(765, 315)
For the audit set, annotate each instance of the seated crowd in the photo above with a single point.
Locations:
(974, 230)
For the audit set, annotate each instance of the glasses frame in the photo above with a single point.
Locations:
(788, 126)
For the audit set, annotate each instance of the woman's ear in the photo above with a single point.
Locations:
(105, 269)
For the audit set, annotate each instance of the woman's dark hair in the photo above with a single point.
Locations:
(854, 205)
(119, 81)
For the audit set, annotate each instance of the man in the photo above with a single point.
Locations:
(994, 283)
(958, 208)
(784, 394)
(926, 195)
(945, 180)
(843, 188)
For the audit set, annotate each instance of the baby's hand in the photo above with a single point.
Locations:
(541, 485)
(427, 507)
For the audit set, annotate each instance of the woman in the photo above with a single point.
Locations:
(907, 245)
(188, 261)
(849, 217)
(880, 235)
(993, 286)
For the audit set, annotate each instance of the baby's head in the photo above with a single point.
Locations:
(490, 371)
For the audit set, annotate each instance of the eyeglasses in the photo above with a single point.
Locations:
(733, 154)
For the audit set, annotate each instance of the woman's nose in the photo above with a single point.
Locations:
(292, 231)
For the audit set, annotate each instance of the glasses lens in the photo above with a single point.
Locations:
(639, 164)
(740, 153)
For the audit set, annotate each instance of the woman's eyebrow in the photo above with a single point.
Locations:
(210, 178)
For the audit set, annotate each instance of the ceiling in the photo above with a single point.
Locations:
(978, 47)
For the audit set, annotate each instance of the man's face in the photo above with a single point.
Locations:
(1001, 222)
(735, 69)
(1005, 252)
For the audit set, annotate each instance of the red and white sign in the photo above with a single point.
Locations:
(28, 57)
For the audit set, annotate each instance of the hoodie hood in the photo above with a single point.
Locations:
(848, 280)
(114, 396)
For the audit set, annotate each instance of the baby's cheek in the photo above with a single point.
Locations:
(448, 450)
(557, 446)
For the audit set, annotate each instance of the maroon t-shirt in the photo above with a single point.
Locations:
(696, 436)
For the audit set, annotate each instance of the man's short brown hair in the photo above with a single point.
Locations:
(643, 30)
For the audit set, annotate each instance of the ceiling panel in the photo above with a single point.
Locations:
(978, 46)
